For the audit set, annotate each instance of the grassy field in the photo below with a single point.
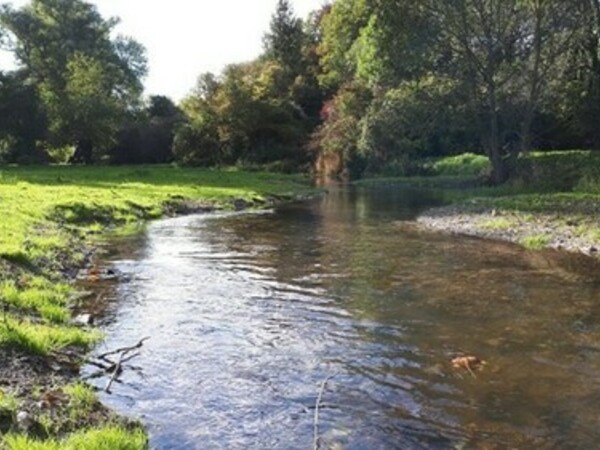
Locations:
(51, 217)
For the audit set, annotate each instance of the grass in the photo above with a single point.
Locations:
(8, 411)
(535, 242)
(467, 164)
(35, 203)
(108, 438)
(43, 297)
(41, 339)
(499, 224)
(8, 402)
(82, 400)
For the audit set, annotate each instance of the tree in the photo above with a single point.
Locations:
(396, 44)
(86, 80)
(22, 123)
(503, 51)
(342, 25)
(576, 100)
(285, 39)
(147, 136)
(417, 119)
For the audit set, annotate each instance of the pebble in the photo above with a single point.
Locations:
(83, 320)
(467, 221)
(24, 420)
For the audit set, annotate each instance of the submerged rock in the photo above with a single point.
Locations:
(240, 204)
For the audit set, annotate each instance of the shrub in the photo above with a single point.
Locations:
(197, 145)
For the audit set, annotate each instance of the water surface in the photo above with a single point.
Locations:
(249, 313)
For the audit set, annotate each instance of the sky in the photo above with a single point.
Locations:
(185, 38)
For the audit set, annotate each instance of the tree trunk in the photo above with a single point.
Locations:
(534, 81)
(500, 171)
(494, 147)
(593, 48)
(83, 152)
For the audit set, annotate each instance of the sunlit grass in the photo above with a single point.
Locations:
(498, 224)
(109, 438)
(535, 242)
(93, 197)
(40, 338)
(467, 164)
(82, 400)
(8, 402)
(48, 300)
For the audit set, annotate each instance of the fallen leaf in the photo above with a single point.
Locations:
(468, 363)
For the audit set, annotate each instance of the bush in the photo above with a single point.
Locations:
(413, 121)
(197, 145)
(560, 171)
(467, 164)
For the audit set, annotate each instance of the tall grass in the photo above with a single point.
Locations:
(467, 164)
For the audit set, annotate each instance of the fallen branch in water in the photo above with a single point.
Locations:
(114, 368)
(115, 374)
(124, 349)
(318, 409)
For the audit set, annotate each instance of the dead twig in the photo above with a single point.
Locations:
(116, 368)
(316, 439)
(124, 349)
(130, 357)
(115, 374)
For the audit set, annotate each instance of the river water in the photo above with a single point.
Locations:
(250, 313)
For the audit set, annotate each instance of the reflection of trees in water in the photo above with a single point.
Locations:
(533, 315)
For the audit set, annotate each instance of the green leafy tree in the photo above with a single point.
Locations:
(417, 119)
(147, 136)
(86, 80)
(396, 44)
(576, 92)
(342, 25)
(22, 123)
(504, 52)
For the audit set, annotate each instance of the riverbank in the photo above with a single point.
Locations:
(52, 221)
(553, 201)
(576, 228)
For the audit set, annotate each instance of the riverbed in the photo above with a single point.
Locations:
(249, 313)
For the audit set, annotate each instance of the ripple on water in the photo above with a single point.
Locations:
(248, 314)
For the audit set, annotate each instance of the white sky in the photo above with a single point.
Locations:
(185, 38)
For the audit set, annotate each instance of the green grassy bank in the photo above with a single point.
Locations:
(50, 218)
(552, 199)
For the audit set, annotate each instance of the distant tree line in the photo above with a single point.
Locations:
(360, 85)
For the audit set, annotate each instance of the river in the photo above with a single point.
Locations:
(249, 313)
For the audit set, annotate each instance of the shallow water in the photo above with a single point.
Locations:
(248, 314)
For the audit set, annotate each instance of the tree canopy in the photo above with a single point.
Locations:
(86, 81)
(357, 86)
